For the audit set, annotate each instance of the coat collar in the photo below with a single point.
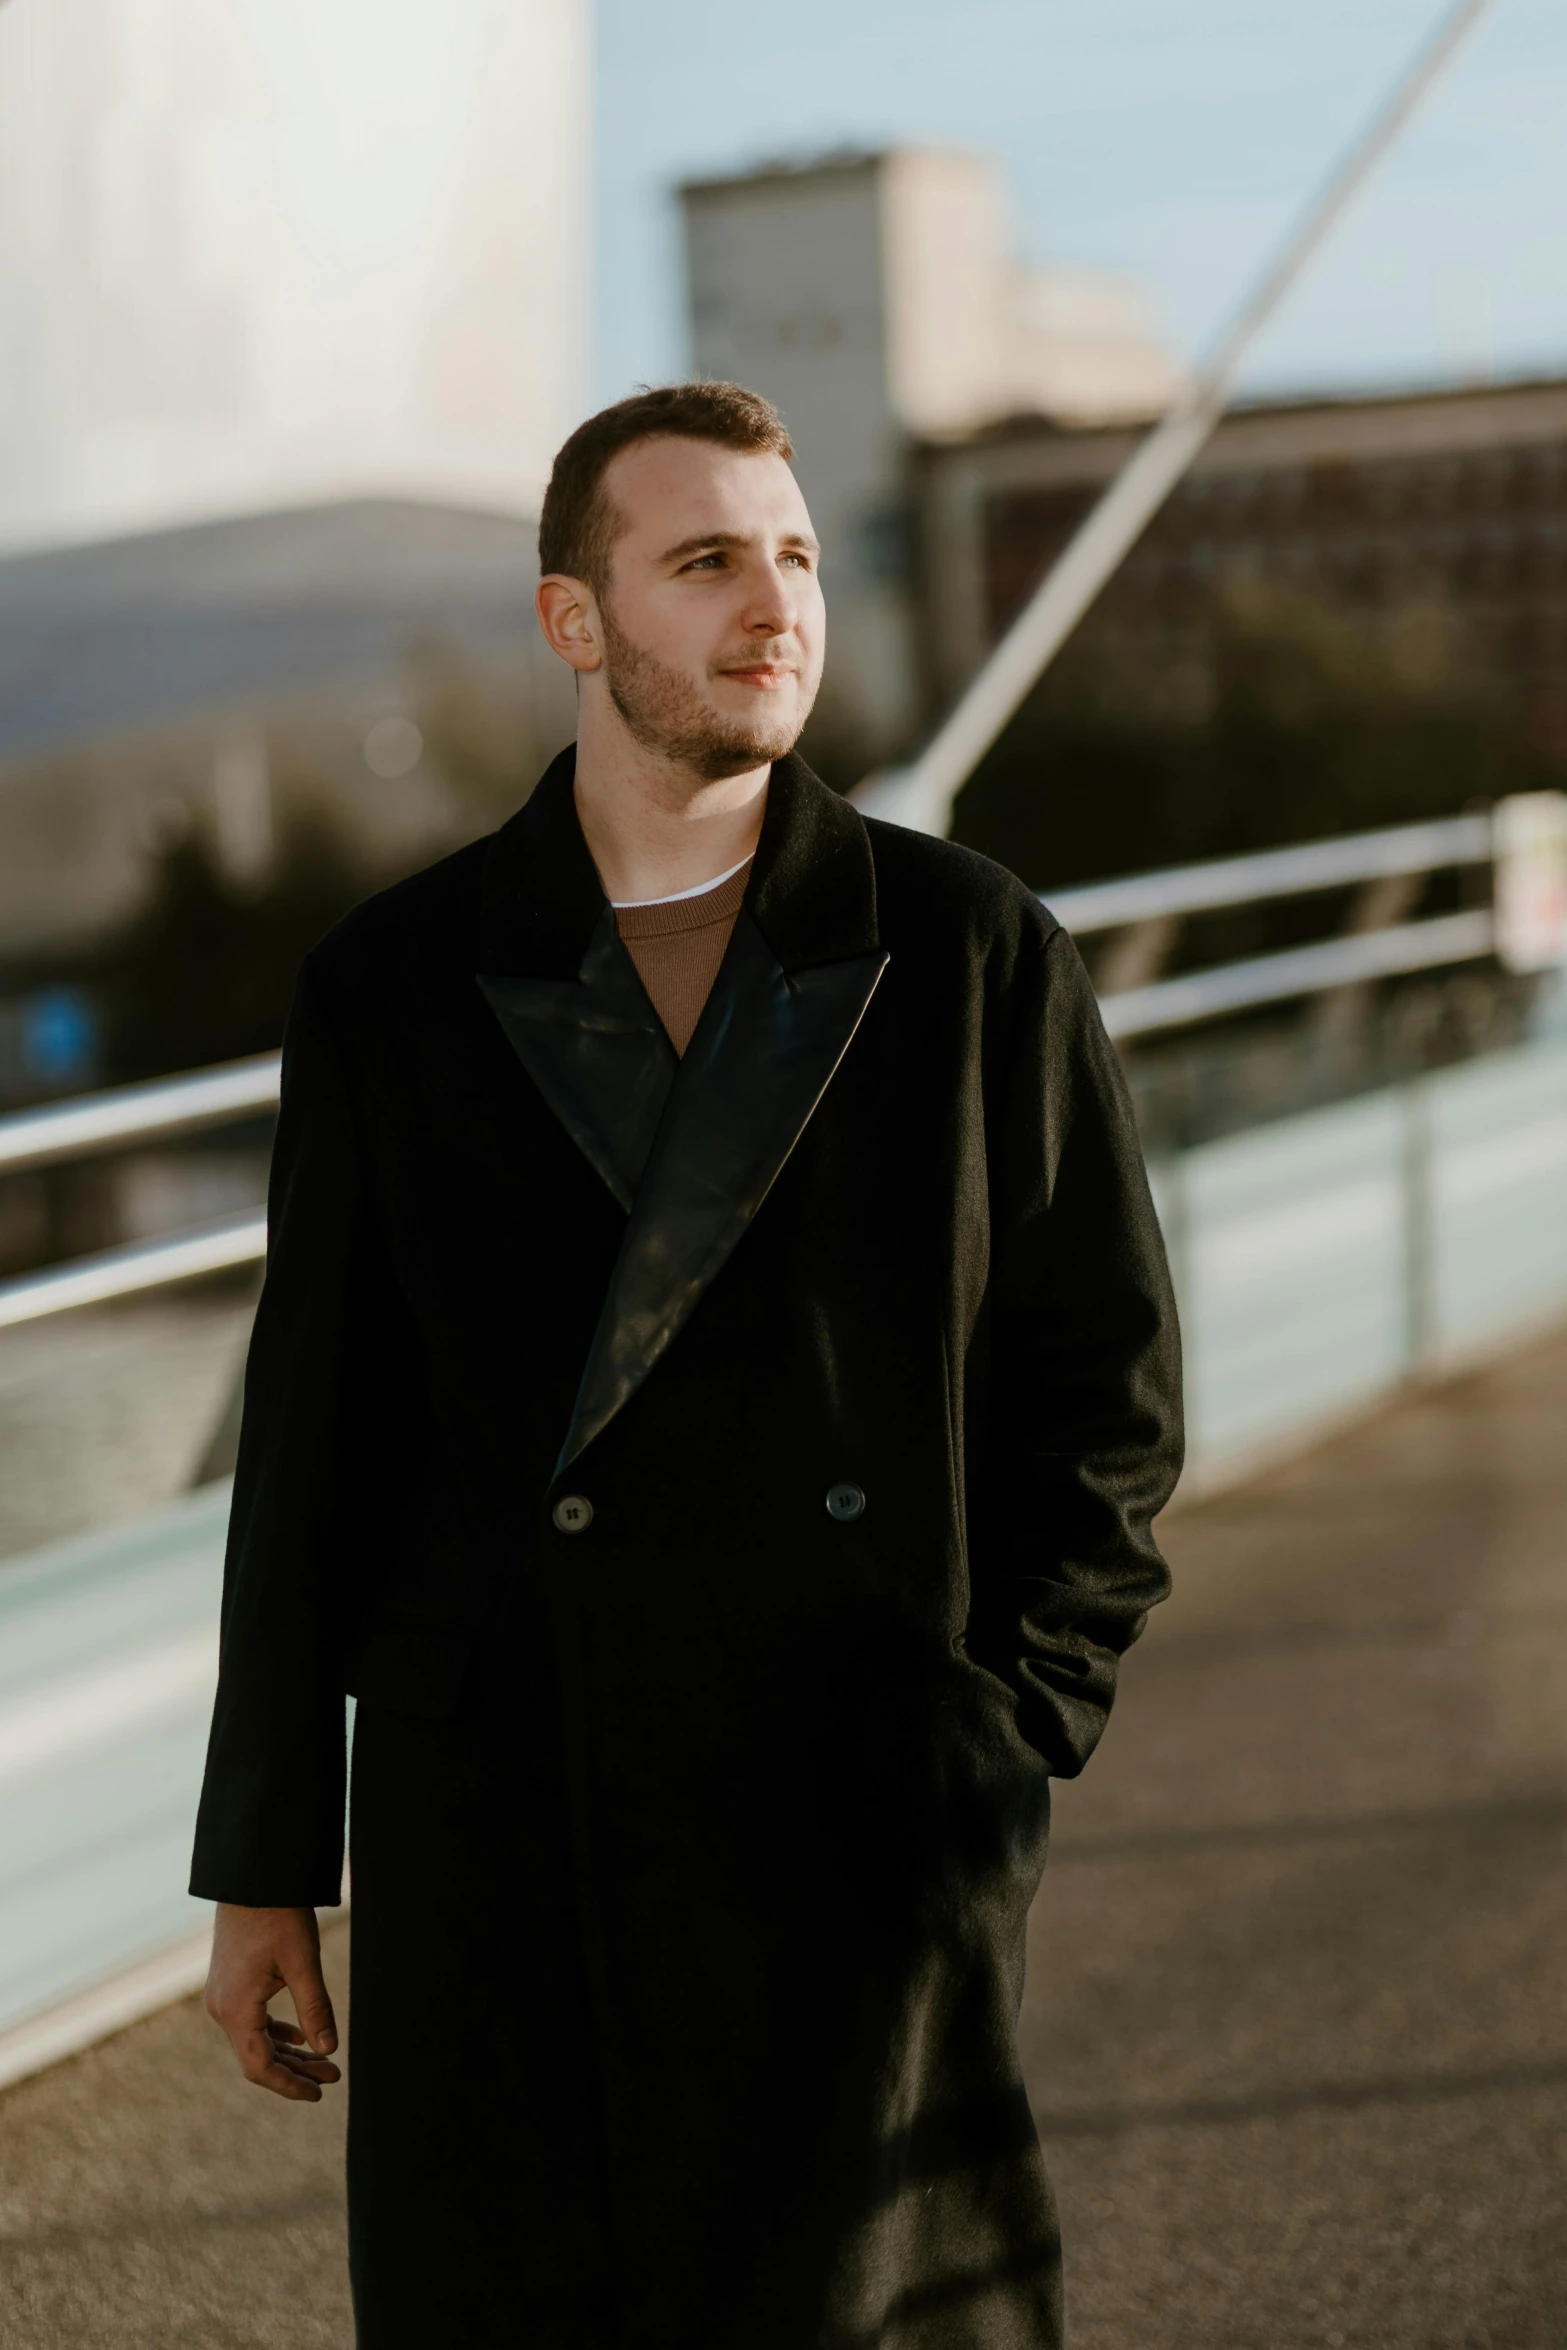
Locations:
(690, 1149)
(812, 891)
(540, 898)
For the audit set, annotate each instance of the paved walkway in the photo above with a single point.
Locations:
(1297, 2023)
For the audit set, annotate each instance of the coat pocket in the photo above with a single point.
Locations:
(997, 1785)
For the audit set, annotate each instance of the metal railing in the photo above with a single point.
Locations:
(118, 1120)
(1297, 971)
(1275, 873)
(135, 1114)
(140, 1113)
(124, 1272)
(1404, 850)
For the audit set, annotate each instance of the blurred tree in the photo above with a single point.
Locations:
(206, 970)
(486, 734)
(1272, 720)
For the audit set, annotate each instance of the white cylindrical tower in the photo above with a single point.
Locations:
(269, 251)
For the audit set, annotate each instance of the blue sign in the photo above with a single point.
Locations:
(59, 1036)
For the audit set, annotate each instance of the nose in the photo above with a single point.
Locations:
(770, 608)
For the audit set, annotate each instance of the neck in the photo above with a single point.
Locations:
(652, 827)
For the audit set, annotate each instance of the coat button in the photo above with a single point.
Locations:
(573, 1513)
(844, 1502)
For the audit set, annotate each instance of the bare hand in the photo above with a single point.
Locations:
(256, 1953)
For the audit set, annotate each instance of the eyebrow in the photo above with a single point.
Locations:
(707, 539)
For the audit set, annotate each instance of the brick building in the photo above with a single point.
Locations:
(1451, 501)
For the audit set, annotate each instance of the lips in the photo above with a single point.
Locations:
(762, 673)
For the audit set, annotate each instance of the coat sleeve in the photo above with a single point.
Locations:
(1085, 1423)
(270, 1827)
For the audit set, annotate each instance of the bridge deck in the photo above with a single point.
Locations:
(1296, 2025)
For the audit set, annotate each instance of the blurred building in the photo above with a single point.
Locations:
(1453, 502)
(876, 300)
(273, 251)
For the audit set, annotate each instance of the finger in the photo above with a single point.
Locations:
(283, 2071)
(321, 2070)
(284, 2083)
(300, 2060)
(312, 2004)
(283, 2032)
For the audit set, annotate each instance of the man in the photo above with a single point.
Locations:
(714, 1381)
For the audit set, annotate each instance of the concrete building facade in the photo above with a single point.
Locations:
(875, 299)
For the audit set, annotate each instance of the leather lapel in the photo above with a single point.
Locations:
(781, 1016)
(597, 1052)
(564, 989)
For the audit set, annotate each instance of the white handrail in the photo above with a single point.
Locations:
(1271, 979)
(1273, 873)
(139, 1113)
(122, 1272)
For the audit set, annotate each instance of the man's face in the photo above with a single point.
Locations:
(712, 625)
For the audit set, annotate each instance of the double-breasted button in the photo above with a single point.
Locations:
(844, 1502)
(573, 1513)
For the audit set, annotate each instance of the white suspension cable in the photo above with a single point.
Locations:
(921, 795)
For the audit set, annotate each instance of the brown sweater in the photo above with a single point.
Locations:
(677, 948)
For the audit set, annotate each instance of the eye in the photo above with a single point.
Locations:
(712, 562)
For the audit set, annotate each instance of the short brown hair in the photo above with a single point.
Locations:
(578, 526)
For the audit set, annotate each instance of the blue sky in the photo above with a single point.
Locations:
(1174, 139)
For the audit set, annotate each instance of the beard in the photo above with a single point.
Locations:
(667, 714)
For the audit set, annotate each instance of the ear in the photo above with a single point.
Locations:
(569, 619)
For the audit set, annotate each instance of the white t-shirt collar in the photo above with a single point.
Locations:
(630, 905)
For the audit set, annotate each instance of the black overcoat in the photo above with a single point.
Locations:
(695, 1821)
